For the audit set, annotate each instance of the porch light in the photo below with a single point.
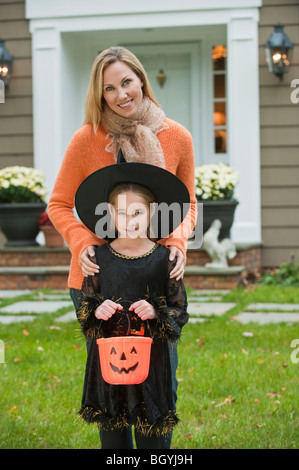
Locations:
(161, 77)
(6, 61)
(278, 52)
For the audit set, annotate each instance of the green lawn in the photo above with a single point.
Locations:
(235, 391)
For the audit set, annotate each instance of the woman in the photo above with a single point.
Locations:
(121, 112)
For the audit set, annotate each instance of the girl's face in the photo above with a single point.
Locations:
(131, 215)
(122, 89)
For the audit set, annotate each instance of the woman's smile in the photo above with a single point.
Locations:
(122, 89)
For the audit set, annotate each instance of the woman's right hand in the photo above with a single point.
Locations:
(107, 309)
(88, 267)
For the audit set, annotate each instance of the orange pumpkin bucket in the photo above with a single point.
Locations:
(125, 360)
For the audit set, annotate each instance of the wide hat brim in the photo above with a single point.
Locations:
(170, 193)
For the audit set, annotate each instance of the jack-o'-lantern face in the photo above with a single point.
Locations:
(124, 359)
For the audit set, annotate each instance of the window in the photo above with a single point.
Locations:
(219, 98)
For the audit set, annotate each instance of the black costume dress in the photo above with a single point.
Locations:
(149, 406)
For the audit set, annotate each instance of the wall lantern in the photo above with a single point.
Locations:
(161, 77)
(278, 51)
(6, 61)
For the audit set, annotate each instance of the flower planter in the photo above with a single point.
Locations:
(19, 222)
(223, 210)
(52, 236)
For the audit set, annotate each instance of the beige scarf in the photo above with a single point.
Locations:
(137, 136)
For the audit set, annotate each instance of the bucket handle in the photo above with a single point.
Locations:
(129, 320)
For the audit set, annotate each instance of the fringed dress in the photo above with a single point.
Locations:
(149, 406)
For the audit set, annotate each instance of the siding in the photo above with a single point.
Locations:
(16, 130)
(279, 119)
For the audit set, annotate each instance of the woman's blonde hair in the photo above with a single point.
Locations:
(94, 103)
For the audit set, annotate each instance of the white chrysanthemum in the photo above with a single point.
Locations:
(14, 177)
(215, 181)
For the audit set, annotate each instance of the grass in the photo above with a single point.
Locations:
(235, 391)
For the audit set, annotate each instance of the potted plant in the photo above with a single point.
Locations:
(22, 199)
(214, 187)
(52, 236)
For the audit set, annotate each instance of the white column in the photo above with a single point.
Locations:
(243, 124)
(46, 102)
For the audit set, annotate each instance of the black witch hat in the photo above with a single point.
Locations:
(171, 196)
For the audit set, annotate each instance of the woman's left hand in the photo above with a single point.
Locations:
(144, 310)
(179, 269)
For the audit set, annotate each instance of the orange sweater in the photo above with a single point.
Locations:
(85, 154)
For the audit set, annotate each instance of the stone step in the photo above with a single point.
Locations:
(34, 256)
(55, 277)
(34, 270)
(199, 277)
(33, 277)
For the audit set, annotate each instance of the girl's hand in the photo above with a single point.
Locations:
(144, 310)
(107, 309)
(87, 266)
(178, 270)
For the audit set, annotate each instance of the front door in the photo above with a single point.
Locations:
(173, 71)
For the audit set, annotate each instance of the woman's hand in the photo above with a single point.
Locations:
(107, 309)
(178, 270)
(144, 310)
(87, 266)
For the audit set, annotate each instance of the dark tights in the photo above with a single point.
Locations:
(123, 440)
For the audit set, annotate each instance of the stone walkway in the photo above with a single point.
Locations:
(28, 310)
(203, 305)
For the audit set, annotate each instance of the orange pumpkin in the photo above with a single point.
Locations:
(124, 360)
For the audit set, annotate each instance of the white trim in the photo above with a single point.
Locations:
(72, 8)
(120, 22)
(46, 102)
(243, 124)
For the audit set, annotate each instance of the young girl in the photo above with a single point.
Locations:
(134, 268)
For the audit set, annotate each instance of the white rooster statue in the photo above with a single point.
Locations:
(219, 251)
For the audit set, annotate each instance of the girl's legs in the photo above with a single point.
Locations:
(152, 442)
(173, 355)
(116, 439)
(75, 295)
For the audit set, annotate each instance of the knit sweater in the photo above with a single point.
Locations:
(88, 152)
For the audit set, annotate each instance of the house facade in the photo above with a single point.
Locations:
(206, 65)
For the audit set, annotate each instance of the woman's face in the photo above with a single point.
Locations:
(122, 89)
(131, 215)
